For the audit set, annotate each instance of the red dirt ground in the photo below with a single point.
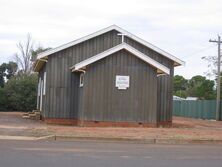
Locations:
(11, 123)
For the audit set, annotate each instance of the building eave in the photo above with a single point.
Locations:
(176, 60)
(39, 63)
(161, 69)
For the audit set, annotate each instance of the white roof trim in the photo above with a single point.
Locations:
(67, 45)
(113, 27)
(84, 63)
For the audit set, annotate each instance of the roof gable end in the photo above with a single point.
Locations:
(176, 60)
(161, 69)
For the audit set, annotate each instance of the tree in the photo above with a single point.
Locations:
(199, 86)
(7, 70)
(180, 85)
(3, 100)
(11, 69)
(18, 88)
(20, 92)
(212, 65)
(24, 56)
(37, 51)
(2, 74)
(27, 54)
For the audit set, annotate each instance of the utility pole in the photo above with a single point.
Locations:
(218, 78)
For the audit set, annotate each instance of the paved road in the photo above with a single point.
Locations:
(103, 154)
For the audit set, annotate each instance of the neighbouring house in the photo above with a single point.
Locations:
(108, 78)
(178, 98)
(192, 98)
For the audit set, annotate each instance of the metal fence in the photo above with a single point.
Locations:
(203, 109)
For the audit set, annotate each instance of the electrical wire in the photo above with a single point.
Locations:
(199, 51)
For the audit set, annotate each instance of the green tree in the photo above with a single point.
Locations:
(180, 85)
(3, 100)
(21, 92)
(7, 70)
(35, 52)
(11, 69)
(199, 86)
(2, 74)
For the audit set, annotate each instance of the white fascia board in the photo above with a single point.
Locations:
(97, 57)
(151, 46)
(117, 48)
(57, 49)
(147, 59)
(113, 27)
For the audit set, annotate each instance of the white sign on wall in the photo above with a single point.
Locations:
(122, 81)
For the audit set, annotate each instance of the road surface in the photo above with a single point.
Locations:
(106, 154)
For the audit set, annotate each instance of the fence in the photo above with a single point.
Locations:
(203, 109)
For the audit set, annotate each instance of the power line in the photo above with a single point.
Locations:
(199, 51)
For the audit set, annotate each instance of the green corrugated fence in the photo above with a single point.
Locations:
(203, 109)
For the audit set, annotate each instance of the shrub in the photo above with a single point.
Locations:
(3, 100)
(20, 92)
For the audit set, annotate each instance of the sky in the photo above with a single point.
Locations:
(180, 27)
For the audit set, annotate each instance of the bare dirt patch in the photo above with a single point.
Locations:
(12, 123)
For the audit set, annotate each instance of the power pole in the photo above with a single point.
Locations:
(218, 78)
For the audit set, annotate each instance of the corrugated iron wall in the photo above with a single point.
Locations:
(102, 101)
(63, 96)
(165, 97)
(164, 84)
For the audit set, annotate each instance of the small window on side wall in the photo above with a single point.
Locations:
(81, 79)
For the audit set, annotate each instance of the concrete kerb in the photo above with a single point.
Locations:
(187, 141)
(105, 139)
(110, 139)
(49, 137)
(26, 138)
(142, 141)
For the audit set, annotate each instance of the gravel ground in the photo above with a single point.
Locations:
(12, 123)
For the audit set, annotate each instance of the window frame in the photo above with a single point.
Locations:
(81, 79)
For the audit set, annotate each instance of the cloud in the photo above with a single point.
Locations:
(180, 27)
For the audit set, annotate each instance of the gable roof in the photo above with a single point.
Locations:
(161, 69)
(176, 60)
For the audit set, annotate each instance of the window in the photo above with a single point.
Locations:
(81, 79)
(44, 83)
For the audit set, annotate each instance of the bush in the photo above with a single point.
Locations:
(20, 92)
(3, 100)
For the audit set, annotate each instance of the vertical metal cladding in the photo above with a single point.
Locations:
(102, 101)
(164, 84)
(147, 100)
(62, 96)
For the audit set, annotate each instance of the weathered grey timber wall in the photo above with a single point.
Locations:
(63, 97)
(104, 102)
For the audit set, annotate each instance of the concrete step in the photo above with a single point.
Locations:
(34, 115)
(25, 116)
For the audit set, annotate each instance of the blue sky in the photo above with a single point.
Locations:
(180, 27)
